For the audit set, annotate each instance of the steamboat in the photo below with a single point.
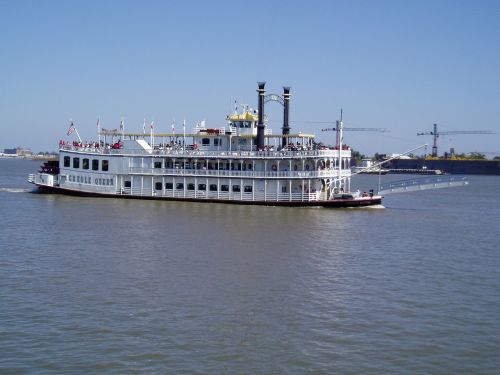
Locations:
(242, 162)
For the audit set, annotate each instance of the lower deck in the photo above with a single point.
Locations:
(246, 199)
(308, 192)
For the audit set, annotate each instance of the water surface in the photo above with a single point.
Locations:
(116, 286)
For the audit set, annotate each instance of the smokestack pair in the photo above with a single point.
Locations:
(286, 113)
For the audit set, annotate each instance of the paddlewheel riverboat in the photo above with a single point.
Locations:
(242, 162)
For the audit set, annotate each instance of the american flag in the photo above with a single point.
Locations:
(71, 128)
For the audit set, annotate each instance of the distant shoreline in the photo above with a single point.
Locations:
(30, 157)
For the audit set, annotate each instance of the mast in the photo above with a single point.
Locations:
(434, 144)
(339, 127)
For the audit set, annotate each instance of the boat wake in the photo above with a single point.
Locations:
(15, 190)
(374, 207)
(377, 207)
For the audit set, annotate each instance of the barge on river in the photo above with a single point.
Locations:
(242, 162)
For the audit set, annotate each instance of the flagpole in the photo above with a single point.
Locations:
(184, 134)
(98, 130)
(152, 137)
(76, 130)
(78, 135)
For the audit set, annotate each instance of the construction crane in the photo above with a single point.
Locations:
(436, 135)
(339, 128)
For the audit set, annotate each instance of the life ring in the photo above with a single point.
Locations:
(274, 167)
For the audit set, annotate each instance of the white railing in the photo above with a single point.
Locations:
(423, 183)
(221, 195)
(323, 173)
(180, 153)
(43, 179)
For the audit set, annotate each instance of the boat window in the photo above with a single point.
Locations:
(179, 186)
(169, 185)
(213, 187)
(236, 188)
(202, 187)
(224, 188)
(95, 165)
(105, 165)
(76, 162)
(85, 163)
(190, 186)
(283, 189)
(217, 142)
(157, 164)
(67, 161)
(242, 141)
(205, 141)
(127, 184)
(158, 185)
(248, 189)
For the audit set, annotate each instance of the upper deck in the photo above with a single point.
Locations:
(181, 152)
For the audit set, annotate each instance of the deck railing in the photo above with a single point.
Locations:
(222, 195)
(180, 153)
(323, 173)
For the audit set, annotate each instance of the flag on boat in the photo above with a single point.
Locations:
(173, 127)
(144, 127)
(121, 124)
(71, 128)
(98, 123)
(152, 125)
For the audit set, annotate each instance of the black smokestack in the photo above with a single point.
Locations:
(260, 124)
(286, 115)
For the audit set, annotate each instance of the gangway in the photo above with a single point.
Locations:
(422, 183)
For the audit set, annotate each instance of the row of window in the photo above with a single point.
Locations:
(206, 141)
(242, 124)
(201, 187)
(86, 164)
(202, 165)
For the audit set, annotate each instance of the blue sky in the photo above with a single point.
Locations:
(401, 65)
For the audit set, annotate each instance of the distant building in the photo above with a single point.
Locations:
(19, 151)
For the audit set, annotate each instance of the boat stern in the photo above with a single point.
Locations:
(44, 180)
